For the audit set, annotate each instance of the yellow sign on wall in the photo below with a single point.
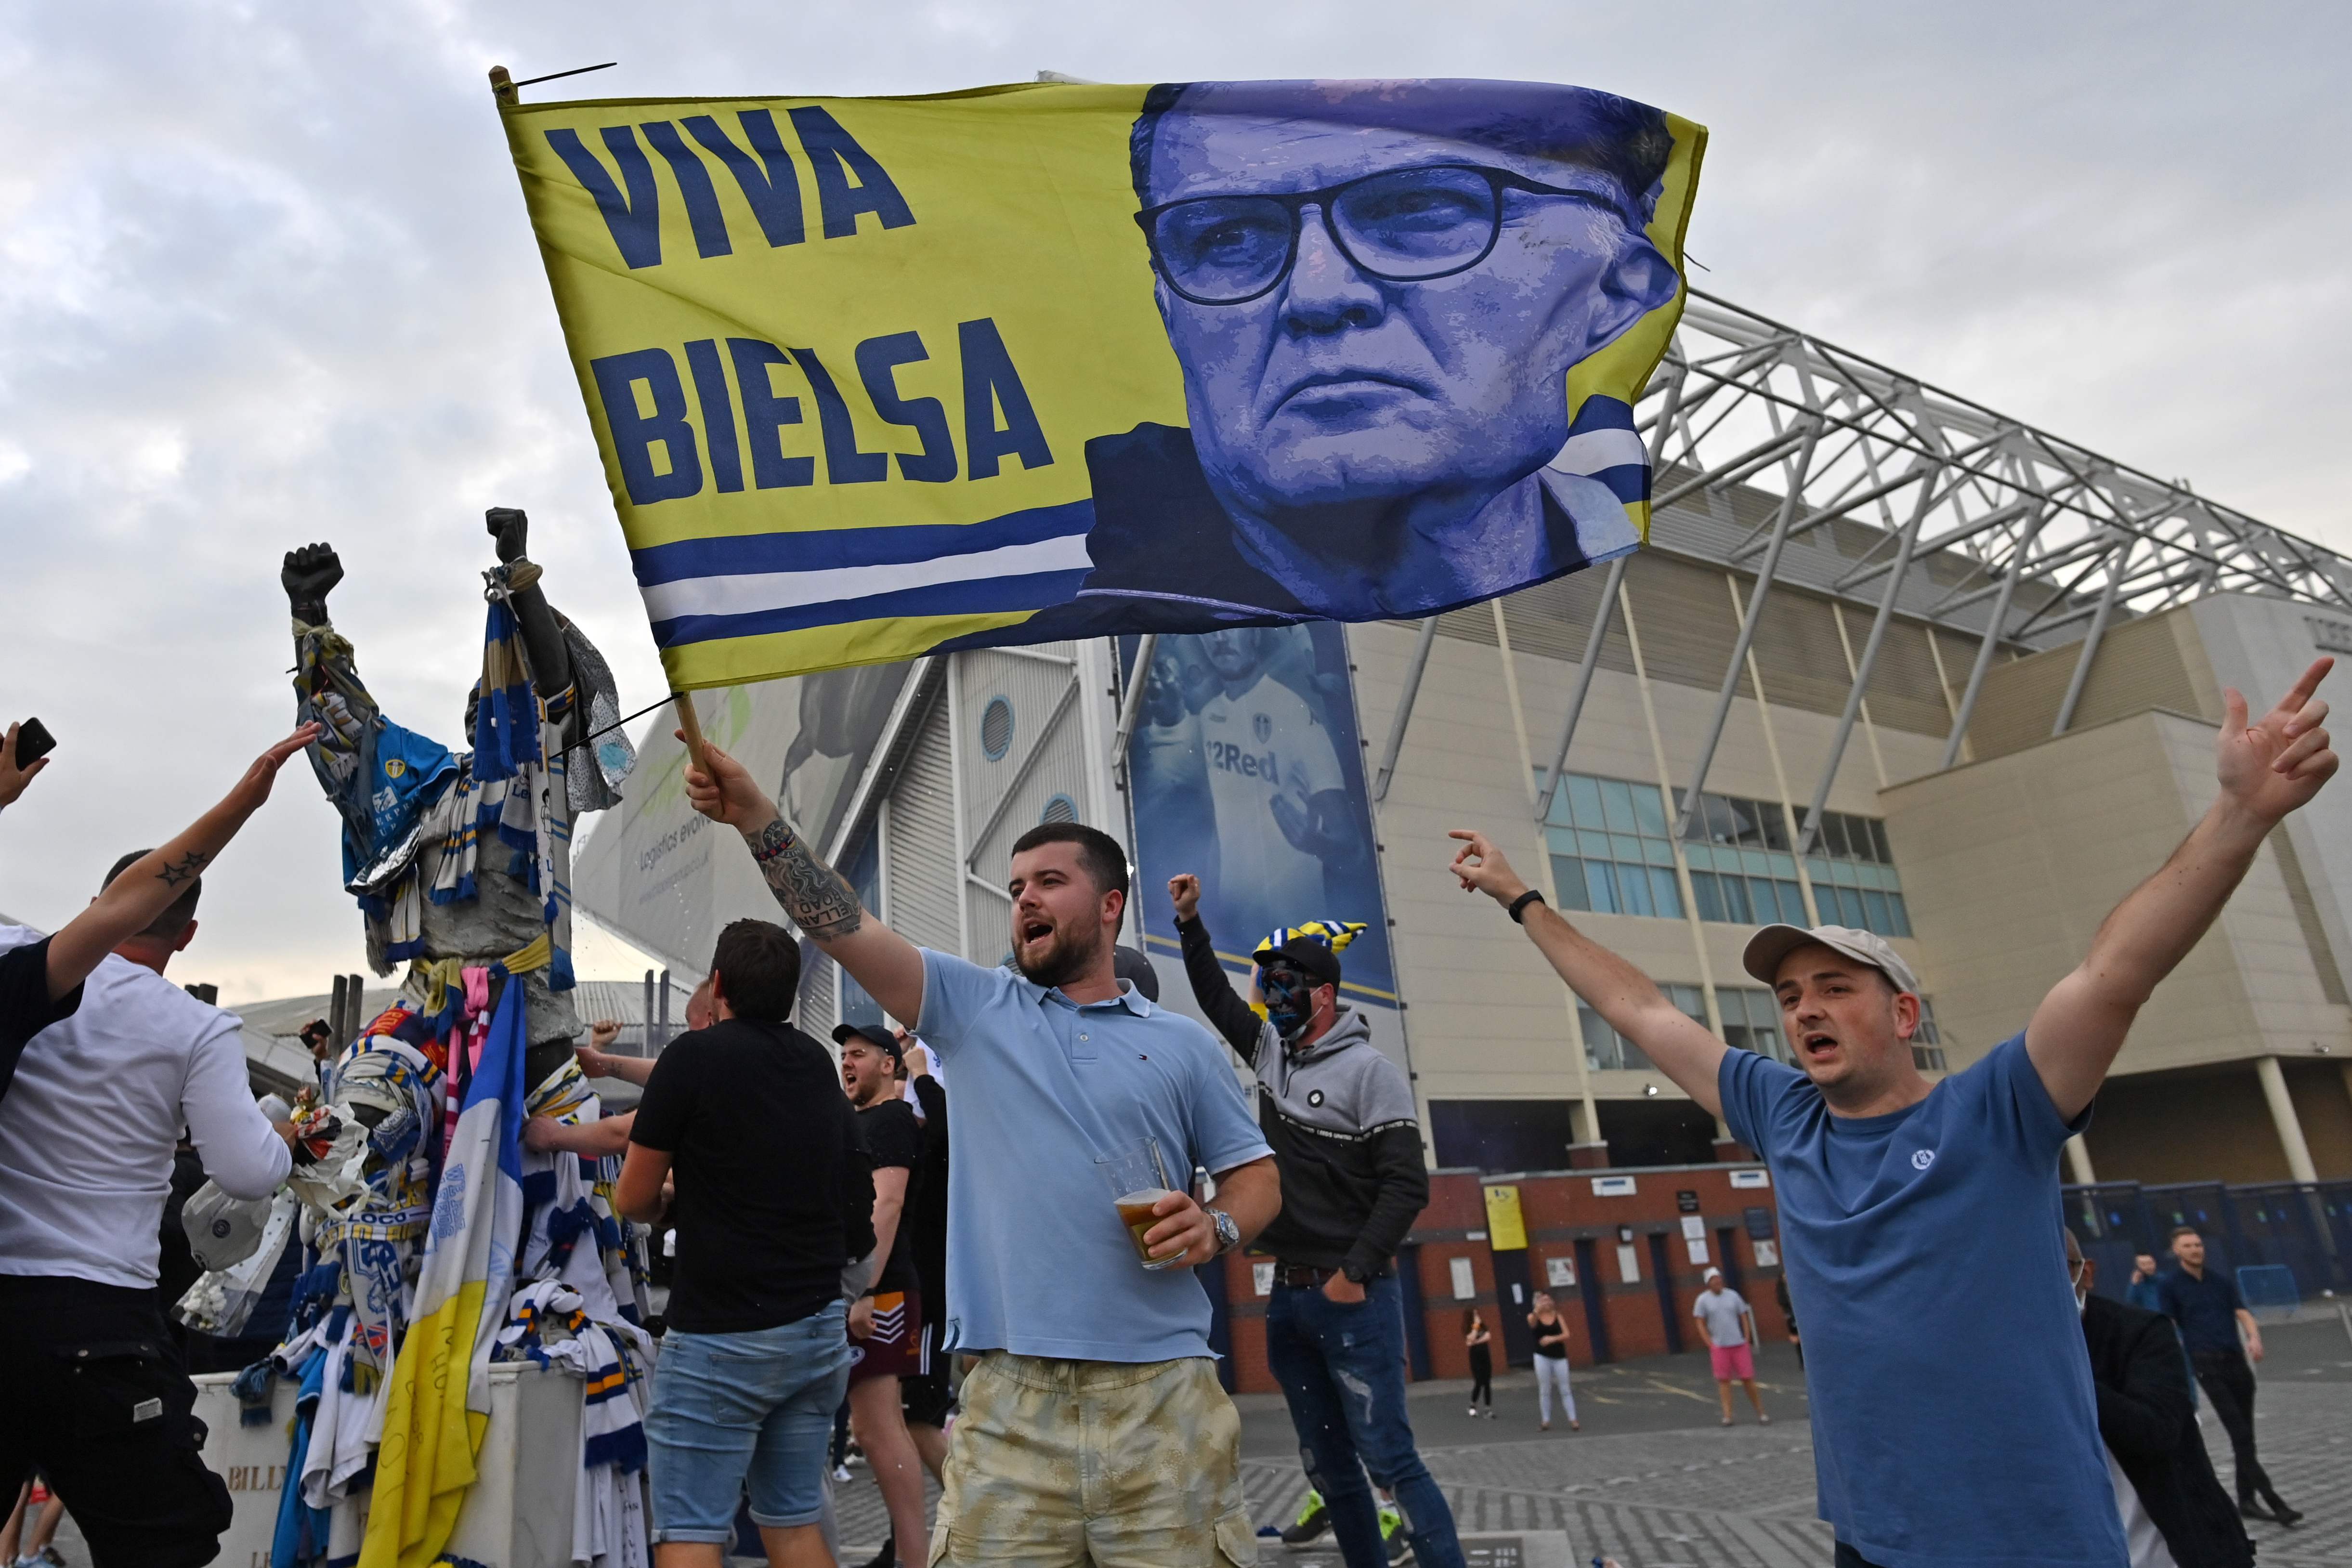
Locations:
(1507, 1228)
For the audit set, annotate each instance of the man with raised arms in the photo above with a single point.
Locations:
(1953, 1413)
(1093, 1428)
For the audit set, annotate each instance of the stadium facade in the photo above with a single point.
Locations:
(1890, 660)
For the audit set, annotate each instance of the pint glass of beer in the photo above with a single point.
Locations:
(1138, 1177)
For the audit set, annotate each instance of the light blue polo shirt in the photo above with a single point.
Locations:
(1954, 1421)
(1040, 1087)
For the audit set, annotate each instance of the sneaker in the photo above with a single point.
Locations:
(51, 1557)
(2284, 1514)
(841, 1474)
(2249, 1509)
(1474, 1410)
(1399, 1550)
(1313, 1521)
(887, 1557)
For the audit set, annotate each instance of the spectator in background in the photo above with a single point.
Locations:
(1480, 1341)
(2144, 1291)
(1730, 1326)
(2172, 1507)
(928, 1399)
(1339, 1117)
(1551, 1362)
(775, 1212)
(34, 1548)
(105, 1076)
(2212, 1318)
(886, 1322)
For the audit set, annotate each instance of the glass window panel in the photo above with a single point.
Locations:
(1755, 862)
(1556, 812)
(1844, 873)
(1617, 805)
(1688, 1001)
(1833, 832)
(1658, 852)
(1850, 904)
(1792, 903)
(1898, 916)
(1624, 847)
(1664, 894)
(1817, 868)
(1562, 839)
(1591, 842)
(1878, 841)
(1736, 1035)
(1568, 876)
(1775, 823)
(1876, 902)
(1778, 865)
(1584, 800)
(1735, 900)
(1649, 816)
(1764, 1010)
(1709, 894)
(1599, 1039)
(1927, 1035)
(1631, 1057)
(1763, 902)
(1634, 890)
(1600, 887)
(1722, 822)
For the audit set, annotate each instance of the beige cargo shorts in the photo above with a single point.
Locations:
(1054, 1464)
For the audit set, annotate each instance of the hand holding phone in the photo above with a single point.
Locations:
(24, 754)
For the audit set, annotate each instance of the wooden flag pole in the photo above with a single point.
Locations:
(692, 725)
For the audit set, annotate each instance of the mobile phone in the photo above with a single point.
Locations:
(34, 741)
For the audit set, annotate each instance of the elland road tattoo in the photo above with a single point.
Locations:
(819, 900)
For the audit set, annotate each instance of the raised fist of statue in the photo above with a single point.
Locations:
(511, 527)
(309, 574)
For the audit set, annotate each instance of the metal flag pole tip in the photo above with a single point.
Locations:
(502, 84)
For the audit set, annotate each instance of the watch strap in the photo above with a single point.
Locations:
(1518, 910)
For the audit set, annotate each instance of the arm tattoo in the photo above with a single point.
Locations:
(183, 870)
(819, 900)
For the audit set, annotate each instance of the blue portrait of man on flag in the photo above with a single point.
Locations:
(1376, 292)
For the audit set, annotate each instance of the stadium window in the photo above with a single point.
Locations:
(1751, 1021)
(1606, 1050)
(1610, 849)
(1926, 1041)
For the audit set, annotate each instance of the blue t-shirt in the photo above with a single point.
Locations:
(2207, 1309)
(1953, 1416)
(1038, 1263)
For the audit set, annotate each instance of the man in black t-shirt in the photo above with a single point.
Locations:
(885, 1326)
(773, 1218)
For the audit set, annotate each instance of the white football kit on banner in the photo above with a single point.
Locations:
(1262, 744)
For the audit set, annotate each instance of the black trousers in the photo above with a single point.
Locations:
(2229, 1385)
(1482, 1374)
(93, 1392)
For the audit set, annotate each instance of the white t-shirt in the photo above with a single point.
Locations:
(88, 1129)
(2145, 1541)
(1258, 745)
(1721, 1312)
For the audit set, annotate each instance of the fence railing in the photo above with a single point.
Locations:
(2297, 1234)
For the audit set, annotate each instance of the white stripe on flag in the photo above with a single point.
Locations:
(751, 592)
(1597, 450)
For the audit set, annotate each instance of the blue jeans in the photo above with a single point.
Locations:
(1342, 1373)
(738, 1412)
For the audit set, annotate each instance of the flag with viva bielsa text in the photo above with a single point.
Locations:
(879, 377)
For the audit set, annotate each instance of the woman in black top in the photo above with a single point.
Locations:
(1551, 1361)
(1480, 1339)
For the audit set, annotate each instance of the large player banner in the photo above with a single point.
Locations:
(873, 377)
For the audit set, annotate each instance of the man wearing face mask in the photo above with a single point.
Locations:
(1339, 1117)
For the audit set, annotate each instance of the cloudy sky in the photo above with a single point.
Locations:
(265, 279)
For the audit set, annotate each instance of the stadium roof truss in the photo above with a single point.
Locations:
(1795, 461)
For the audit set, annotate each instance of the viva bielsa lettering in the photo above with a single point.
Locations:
(664, 457)
(849, 182)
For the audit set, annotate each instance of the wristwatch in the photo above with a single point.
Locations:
(1229, 1235)
(1357, 1273)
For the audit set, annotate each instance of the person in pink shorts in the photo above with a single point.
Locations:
(1731, 1329)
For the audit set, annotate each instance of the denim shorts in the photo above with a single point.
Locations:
(737, 1410)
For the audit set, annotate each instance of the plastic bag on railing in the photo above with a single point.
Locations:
(220, 1302)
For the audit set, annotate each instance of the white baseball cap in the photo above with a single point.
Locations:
(1712, 1274)
(1768, 947)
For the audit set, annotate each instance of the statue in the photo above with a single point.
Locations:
(461, 865)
